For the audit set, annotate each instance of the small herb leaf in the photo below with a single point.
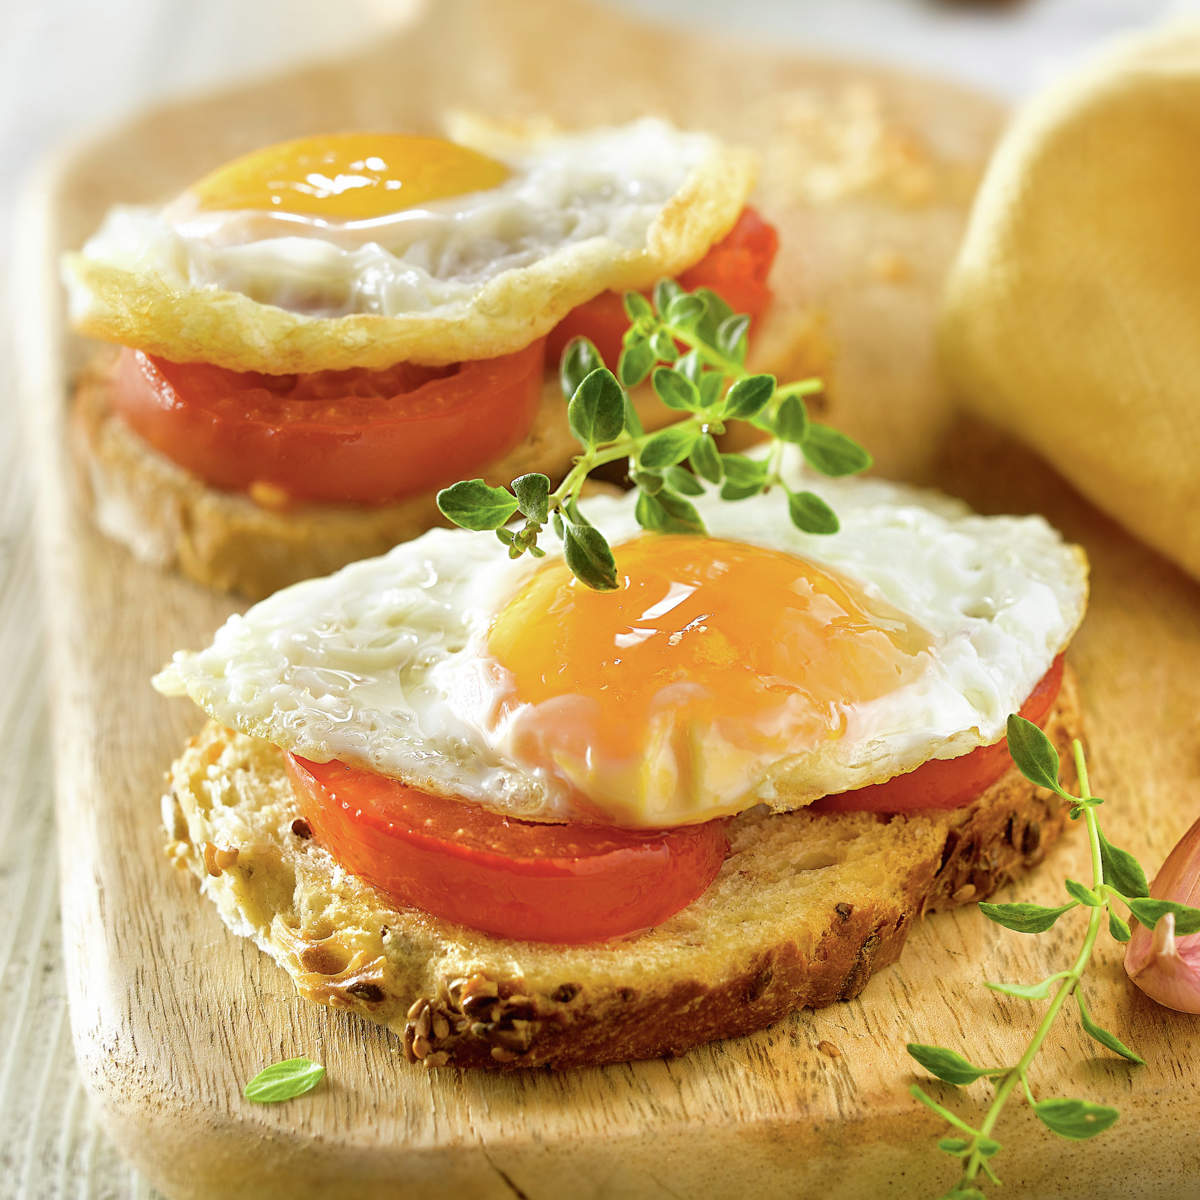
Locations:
(1118, 927)
(590, 557)
(1025, 918)
(749, 396)
(667, 513)
(597, 409)
(1026, 991)
(947, 1065)
(579, 360)
(1149, 912)
(833, 453)
(685, 310)
(706, 459)
(1083, 893)
(668, 446)
(637, 307)
(791, 420)
(284, 1081)
(811, 514)
(635, 362)
(473, 504)
(953, 1145)
(743, 476)
(675, 389)
(1075, 1119)
(665, 290)
(1033, 753)
(533, 495)
(1102, 1035)
(1122, 870)
(731, 336)
(684, 482)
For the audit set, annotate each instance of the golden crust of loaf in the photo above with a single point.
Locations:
(804, 910)
(204, 324)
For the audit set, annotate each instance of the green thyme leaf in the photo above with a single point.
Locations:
(651, 482)
(948, 1065)
(1028, 991)
(1122, 871)
(637, 307)
(1105, 1038)
(284, 1081)
(691, 365)
(833, 453)
(506, 536)
(635, 363)
(579, 360)
(716, 313)
(683, 482)
(790, 423)
(1118, 927)
(1033, 753)
(533, 495)
(1149, 912)
(665, 290)
(1025, 918)
(667, 512)
(675, 389)
(663, 345)
(811, 514)
(596, 411)
(706, 459)
(685, 310)
(732, 336)
(953, 1145)
(749, 396)
(743, 476)
(1075, 1119)
(590, 557)
(1083, 893)
(473, 504)
(670, 445)
(711, 383)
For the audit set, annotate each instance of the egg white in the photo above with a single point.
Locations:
(385, 665)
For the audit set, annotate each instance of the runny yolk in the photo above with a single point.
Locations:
(667, 700)
(348, 176)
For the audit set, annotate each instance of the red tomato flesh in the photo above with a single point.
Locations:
(945, 783)
(518, 879)
(736, 268)
(355, 437)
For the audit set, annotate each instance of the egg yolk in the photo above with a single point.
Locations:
(669, 699)
(348, 176)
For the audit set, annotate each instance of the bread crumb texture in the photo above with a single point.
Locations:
(804, 910)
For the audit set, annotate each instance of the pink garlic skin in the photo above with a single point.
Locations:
(1165, 967)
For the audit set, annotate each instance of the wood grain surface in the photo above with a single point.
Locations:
(171, 1014)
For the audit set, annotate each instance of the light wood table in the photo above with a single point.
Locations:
(63, 67)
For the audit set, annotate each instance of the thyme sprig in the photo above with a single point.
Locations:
(1117, 879)
(692, 347)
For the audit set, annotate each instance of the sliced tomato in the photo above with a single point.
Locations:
(517, 879)
(357, 436)
(948, 782)
(736, 268)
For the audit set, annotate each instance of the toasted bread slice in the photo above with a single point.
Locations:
(806, 907)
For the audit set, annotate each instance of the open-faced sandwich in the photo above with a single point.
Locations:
(667, 771)
(317, 336)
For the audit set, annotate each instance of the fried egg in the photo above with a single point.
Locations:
(754, 665)
(363, 250)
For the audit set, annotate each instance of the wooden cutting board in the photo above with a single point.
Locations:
(867, 172)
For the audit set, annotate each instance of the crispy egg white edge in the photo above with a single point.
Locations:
(384, 664)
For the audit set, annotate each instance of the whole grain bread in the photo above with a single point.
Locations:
(805, 908)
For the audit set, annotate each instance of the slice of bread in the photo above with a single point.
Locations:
(806, 907)
(230, 541)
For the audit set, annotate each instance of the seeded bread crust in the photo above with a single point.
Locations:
(804, 910)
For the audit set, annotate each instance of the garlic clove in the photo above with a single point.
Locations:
(1166, 967)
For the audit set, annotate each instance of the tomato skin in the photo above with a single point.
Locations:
(569, 884)
(736, 268)
(944, 783)
(335, 437)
